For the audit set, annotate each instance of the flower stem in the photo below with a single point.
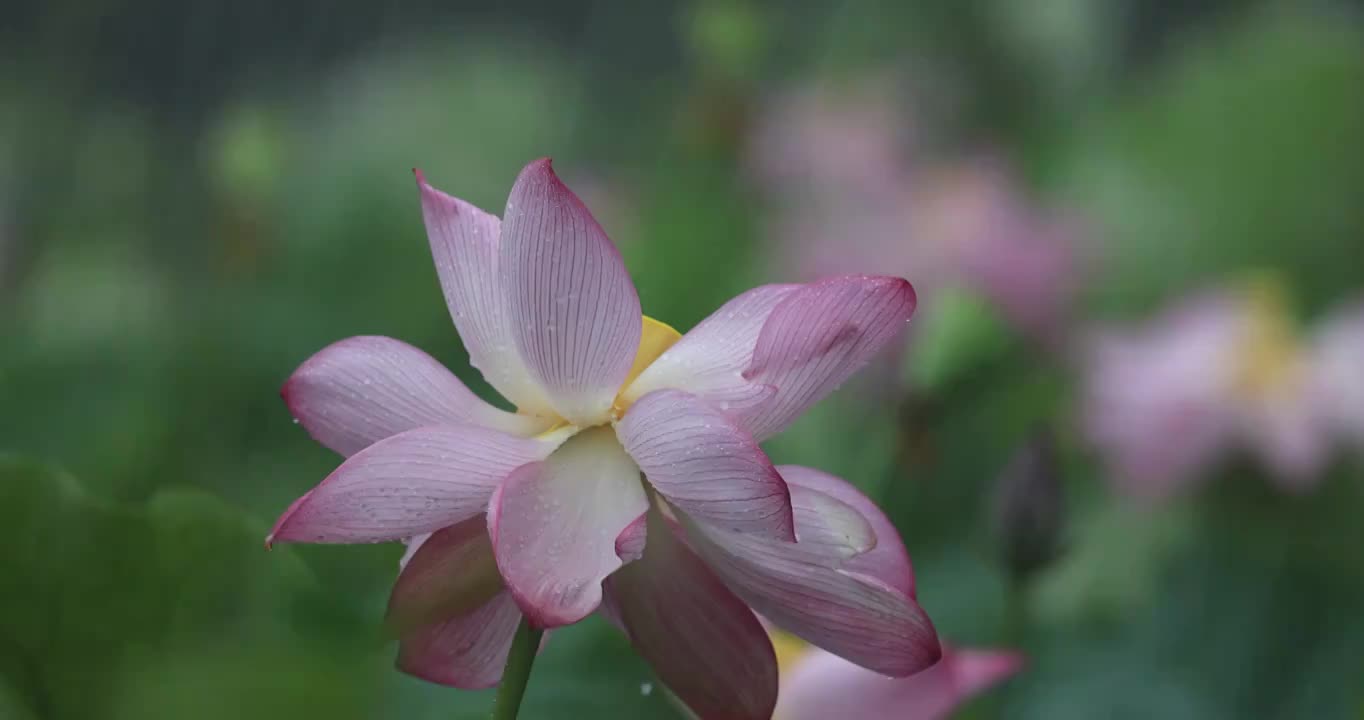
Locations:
(1013, 634)
(516, 674)
(1015, 629)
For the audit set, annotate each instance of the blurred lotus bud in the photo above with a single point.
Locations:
(1029, 508)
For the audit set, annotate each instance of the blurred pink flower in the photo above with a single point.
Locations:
(846, 197)
(1020, 258)
(1337, 360)
(1220, 372)
(627, 439)
(851, 139)
(822, 686)
(1155, 396)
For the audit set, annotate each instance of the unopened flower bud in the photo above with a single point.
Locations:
(1029, 508)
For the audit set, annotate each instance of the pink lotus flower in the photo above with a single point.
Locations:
(820, 686)
(1224, 371)
(630, 475)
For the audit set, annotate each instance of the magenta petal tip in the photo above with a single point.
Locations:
(907, 288)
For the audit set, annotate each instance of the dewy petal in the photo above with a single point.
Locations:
(709, 361)
(464, 244)
(858, 608)
(825, 686)
(574, 314)
(451, 573)
(415, 482)
(358, 391)
(701, 640)
(818, 336)
(706, 466)
(466, 652)
(554, 526)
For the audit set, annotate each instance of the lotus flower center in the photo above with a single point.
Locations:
(789, 649)
(655, 338)
(1269, 359)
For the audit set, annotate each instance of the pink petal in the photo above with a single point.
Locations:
(1336, 355)
(858, 609)
(574, 313)
(554, 526)
(825, 686)
(1157, 397)
(363, 389)
(465, 652)
(451, 573)
(412, 545)
(703, 642)
(975, 671)
(829, 530)
(709, 361)
(705, 465)
(630, 542)
(1288, 430)
(464, 245)
(887, 561)
(817, 337)
(415, 482)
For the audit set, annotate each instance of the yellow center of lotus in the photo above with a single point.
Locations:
(789, 648)
(653, 341)
(1270, 358)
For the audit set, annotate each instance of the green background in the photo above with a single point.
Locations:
(196, 196)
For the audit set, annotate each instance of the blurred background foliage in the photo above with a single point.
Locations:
(196, 196)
